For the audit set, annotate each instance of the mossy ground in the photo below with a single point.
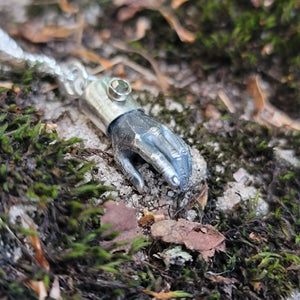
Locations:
(262, 251)
(36, 176)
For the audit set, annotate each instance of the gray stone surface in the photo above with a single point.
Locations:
(242, 189)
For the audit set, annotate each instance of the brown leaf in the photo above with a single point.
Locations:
(36, 243)
(142, 25)
(176, 3)
(123, 219)
(130, 7)
(258, 94)
(6, 84)
(161, 78)
(92, 57)
(257, 237)
(272, 116)
(195, 236)
(134, 6)
(266, 113)
(150, 217)
(201, 197)
(212, 112)
(67, 7)
(37, 34)
(184, 34)
(146, 221)
(226, 100)
(221, 279)
(39, 287)
(267, 49)
(257, 285)
(49, 127)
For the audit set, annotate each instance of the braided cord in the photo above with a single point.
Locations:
(12, 53)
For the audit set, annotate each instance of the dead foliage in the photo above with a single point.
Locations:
(221, 279)
(195, 236)
(130, 7)
(266, 113)
(167, 295)
(150, 217)
(39, 287)
(35, 33)
(122, 219)
(67, 7)
(201, 198)
(91, 56)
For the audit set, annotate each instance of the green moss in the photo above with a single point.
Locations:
(33, 171)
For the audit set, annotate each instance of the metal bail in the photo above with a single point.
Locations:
(118, 89)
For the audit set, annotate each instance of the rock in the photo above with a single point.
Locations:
(238, 191)
(287, 157)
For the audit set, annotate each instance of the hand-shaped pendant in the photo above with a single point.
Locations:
(109, 104)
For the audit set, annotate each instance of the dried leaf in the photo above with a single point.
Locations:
(134, 6)
(10, 86)
(122, 219)
(221, 279)
(49, 127)
(39, 287)
(201, 197)
(257, 285)
(16, 89)
(272, 116)
(267, 49)
(104, 34)
(126, 13)
(195, 236)
(258, 94)
(39, 255)
(159, 217)
(167, 295)
(184, 34)
(37, 34)
(36, 243)
(142, 25)
(6, 84)
(92, 57)
(267, 114)
(150, 217)
(67, 7)
(146, 221)
(212, 112)
(226, 100)
(161, 78)
(257, 238)
(129, 63)
(177, 3)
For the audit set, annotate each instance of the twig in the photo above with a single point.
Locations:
(161, 79)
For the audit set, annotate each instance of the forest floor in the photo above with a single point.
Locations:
(233, 234)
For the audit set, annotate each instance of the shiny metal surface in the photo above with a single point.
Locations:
(136, 133)
(99, 106)
(109, 104)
